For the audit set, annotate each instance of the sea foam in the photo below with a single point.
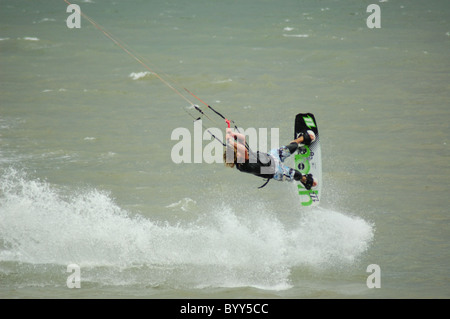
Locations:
(139, 75)
(225, 247)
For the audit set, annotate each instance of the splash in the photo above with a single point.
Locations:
(40, 224)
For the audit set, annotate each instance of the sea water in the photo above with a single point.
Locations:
(87, 177)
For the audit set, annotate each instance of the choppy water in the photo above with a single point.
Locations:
(87, 178)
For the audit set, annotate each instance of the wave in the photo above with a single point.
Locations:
(296, 35)
(140, 75)
(40, 224)
(30, 38)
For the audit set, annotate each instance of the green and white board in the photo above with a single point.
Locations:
(308, 159)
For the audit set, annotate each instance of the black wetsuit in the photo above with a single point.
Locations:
(261, 164)
(258, 164)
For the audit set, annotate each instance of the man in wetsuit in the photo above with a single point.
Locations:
(265, 165)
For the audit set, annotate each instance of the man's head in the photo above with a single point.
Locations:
(230, 155)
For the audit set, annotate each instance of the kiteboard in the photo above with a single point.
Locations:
(308, 159)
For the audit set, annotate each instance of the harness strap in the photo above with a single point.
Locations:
(267, 181)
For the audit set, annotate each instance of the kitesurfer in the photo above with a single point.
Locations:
(267, 165)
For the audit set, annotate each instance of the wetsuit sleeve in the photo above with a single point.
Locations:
(292, 147)
(297, 175)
